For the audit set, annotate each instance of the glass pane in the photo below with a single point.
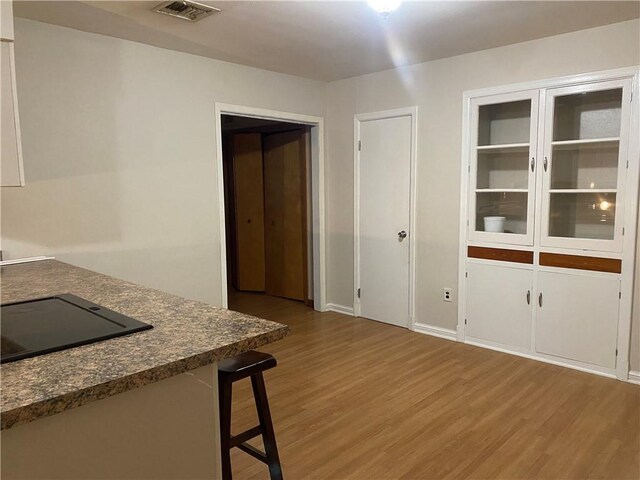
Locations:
(501, 212)
(587, 115)
(591, 165)
(582, 215)
(504, 123)
(505, 168)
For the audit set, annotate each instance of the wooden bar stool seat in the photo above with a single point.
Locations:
(249, 364)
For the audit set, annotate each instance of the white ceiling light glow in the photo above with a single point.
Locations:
(384, 7)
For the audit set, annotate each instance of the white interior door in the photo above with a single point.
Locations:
(383, 218)
(577, 317)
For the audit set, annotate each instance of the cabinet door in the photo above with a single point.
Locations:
(502, 168)
(11, 173)
(499, 304)
(6, 20)
(583, 175)
(577, 317)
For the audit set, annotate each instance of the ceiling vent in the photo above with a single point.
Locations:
(186, 10)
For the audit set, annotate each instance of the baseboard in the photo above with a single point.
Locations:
(25, 260)
(435, 331)
(634, 377)
(604, 372)
(333, 307)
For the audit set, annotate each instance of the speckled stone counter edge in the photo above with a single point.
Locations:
(55, 400)
(78, 398)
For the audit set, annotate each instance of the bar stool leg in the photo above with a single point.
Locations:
(268, 435)
(224, 395)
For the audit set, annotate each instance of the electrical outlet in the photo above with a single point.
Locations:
(447, 295)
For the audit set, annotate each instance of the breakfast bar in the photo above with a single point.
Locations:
(144, 405)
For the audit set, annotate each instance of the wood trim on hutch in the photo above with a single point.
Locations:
(579, 262)
(501, 254)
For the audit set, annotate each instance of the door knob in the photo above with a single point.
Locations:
(402, 235)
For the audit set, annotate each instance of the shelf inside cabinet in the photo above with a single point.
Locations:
(583, 190)
(505, 146)
(586, 141)
(499, 190)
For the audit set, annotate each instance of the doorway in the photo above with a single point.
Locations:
(384, 246)
(270, 175)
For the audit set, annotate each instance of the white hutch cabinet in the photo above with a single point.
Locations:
(549, 208)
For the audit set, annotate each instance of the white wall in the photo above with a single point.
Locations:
(119, 149)
(436, 88)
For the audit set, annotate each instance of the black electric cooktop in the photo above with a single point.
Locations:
(45, 325)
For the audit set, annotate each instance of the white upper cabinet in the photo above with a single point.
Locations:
(556, 181)
(11, 168)
(6, 20)
(502, 168)
(585, 157)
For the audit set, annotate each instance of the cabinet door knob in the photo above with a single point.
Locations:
(528, 297)
(546, 162)
(540, 299)
(533, 163)
(402, 235)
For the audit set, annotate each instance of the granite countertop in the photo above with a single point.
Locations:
(186, 335)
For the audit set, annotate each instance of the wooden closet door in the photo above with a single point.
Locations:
(285, 215)
(249, 211)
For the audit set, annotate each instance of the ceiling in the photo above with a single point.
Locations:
(331, 40)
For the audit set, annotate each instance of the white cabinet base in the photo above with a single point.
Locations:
(576, 326)
(580, 366)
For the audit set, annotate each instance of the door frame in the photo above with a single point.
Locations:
(411, 112)
(317, 191)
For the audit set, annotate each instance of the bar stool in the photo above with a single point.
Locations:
(248, 364)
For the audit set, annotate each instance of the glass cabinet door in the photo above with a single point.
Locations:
(584, 165)
(502, 168)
